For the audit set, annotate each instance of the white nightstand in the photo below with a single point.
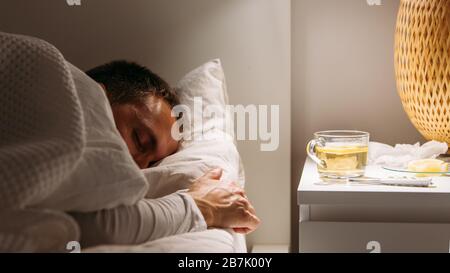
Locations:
(364, 218)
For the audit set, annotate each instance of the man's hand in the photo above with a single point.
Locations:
(223, 205)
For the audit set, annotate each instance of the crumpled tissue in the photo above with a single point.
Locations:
(400, 155)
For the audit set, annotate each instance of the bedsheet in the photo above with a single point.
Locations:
(209, 241)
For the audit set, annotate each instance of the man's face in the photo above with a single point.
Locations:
(146, 128)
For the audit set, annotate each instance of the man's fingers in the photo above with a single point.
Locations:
(247, 205)
(233, 208)
(239, 191)
(214, 174)
(242, 230)
(252, 222)
(247, 220)
(236, 189)
(251, 208)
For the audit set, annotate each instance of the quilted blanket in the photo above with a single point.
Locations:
(41, 125)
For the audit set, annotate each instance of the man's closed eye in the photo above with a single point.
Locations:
(137, 142)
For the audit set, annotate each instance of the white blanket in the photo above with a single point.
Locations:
(209, 241)
(42, 130)
(41, 142)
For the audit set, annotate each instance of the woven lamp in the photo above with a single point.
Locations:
(422, 65)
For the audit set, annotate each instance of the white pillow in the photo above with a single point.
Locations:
(195, 156)
(106, 176)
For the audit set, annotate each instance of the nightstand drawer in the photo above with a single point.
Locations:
(366, 237)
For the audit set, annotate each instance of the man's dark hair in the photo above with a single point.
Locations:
(127, 82)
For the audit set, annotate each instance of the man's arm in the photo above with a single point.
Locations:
(147, 220)
(208, 203)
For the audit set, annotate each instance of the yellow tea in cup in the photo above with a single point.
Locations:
(342, 161)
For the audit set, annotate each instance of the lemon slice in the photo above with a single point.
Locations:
(428, 166)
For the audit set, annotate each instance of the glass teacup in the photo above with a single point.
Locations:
(339, 153)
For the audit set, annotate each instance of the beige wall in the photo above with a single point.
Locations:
(252, 37)
(343, 75)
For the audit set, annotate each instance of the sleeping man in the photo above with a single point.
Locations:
(141, 103)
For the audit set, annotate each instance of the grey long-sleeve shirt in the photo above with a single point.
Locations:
(149, 219)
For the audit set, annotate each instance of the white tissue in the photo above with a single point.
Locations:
(400, 155)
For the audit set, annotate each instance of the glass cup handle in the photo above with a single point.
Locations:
(310, 151)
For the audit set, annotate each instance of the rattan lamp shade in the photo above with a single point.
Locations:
(422, 64)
